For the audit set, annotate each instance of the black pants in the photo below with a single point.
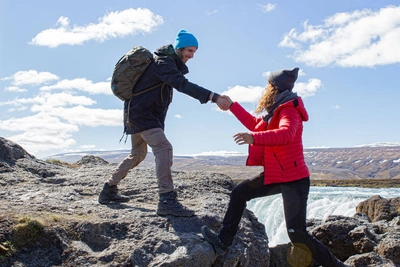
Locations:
(295, 196)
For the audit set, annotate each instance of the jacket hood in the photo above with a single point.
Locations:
(166, 50)
(169, 51)
(302, 110)
(299, 105)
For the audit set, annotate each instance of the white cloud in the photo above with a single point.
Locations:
(52, 128)
(211, 12)
(35, 142)
(31, 77)
(83, 116)
(40, 132)
(15, 89)
(112, 25)
(48, 100)
(178, 116)
(62, 99)
(36, 123)
(336, 107)
(240, 93)
(362, 38)
(11, 110)
(88, 147)
(54, 117)
(266, 74)
(267, 8)
(306, 89)
(252, 94)
(81, 84)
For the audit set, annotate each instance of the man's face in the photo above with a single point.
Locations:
(188, 53)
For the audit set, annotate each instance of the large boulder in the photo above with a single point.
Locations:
(378, 208)
(10, 152)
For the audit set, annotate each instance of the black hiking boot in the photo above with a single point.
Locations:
(110, 194)
(168, 204)
(219, 247)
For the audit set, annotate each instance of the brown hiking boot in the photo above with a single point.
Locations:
(110, 194)
(168, 204)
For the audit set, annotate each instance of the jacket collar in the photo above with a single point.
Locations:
(298, 104)
(169, 51)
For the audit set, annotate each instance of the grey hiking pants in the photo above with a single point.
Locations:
(162, 150)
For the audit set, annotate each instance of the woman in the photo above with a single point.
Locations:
(276, 143)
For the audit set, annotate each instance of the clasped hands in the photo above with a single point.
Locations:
(224, 102)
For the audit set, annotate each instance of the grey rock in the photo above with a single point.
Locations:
(378, 208)
(81, 232)
(78, 231)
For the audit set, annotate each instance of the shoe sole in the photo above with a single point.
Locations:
(109, 202)
(217, 249)
(165, 213)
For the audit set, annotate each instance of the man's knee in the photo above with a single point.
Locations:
(142, 156)
(138, 154)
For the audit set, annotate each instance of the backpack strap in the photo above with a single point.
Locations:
(139, 93)
(147, 90)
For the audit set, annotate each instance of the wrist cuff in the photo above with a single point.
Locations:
(215, 97)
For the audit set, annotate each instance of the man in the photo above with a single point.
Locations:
(145, 117)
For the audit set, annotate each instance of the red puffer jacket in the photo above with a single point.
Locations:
(278, 145)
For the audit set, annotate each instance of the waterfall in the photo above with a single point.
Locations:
(322, 201)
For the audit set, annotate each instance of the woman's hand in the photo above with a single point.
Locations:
(243, 138)
(224, 102)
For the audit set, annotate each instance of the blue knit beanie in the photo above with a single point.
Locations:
(284, 79)
(185, 39)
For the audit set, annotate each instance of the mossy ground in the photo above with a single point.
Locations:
(25, 232)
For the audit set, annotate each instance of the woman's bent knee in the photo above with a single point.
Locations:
(240, 192)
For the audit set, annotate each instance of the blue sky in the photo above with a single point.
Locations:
(57, 57)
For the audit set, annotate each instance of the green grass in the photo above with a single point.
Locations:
(59, 162)
(26, 232)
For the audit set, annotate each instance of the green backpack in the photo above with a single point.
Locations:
(128, 70)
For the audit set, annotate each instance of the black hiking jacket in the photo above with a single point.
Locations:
(149, 110)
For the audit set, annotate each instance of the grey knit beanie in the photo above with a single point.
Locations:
(284, 79)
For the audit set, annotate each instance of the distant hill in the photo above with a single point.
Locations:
(324, 163)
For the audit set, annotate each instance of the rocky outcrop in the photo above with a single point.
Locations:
(378, 208)
(355, 240)
(64, 224)
(359, 241)
(10, 152)
(78, 231)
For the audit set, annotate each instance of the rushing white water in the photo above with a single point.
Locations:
(322, 201)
